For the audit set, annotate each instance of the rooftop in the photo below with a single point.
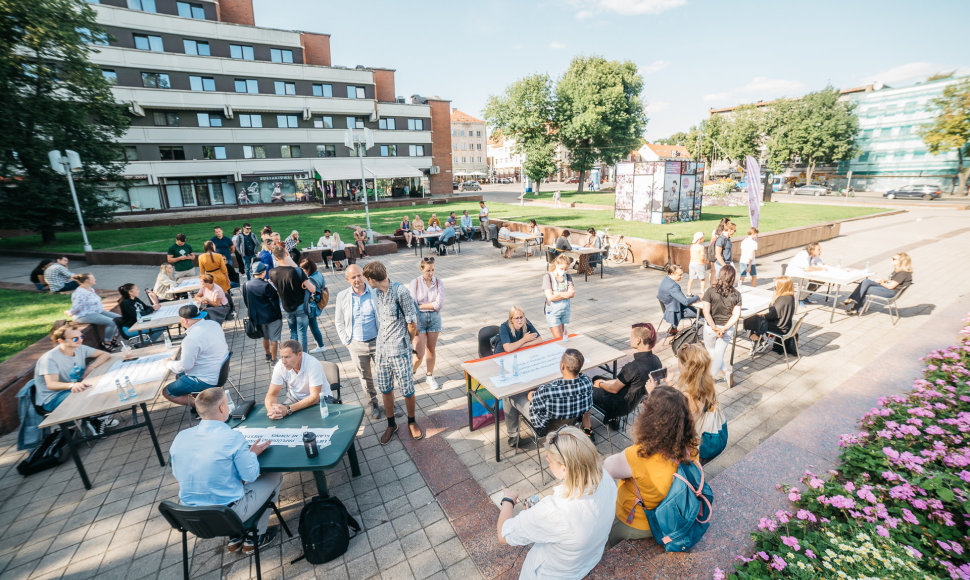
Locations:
(460, 117)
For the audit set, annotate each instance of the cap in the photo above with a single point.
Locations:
(260, 268)
(191, 311)
(698, 236)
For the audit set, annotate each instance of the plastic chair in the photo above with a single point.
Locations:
(891, 304)
(332, 372)
(485, 335)
(338, 256)
(213, 522)
(793, 334)
(624, 420)
(32, 389)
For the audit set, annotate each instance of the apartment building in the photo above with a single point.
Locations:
(226, 112)
(469, 148)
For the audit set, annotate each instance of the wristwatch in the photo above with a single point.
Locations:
(289, 411)
(507, 499)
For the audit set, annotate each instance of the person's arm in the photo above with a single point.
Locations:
(100, 357)
(617, 466)
(609, 385)
(718, 248)
(570, 290)
(506, 511)
(311, 400)
(172, 259)
(273, 409)
(772, 314)
(678, 294)
(245, 459)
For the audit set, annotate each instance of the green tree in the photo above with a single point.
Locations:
(52, 97)
(950, 130)
(679, 138)
(741, 135)
(539, 162)
(599, 114)
(817, 128)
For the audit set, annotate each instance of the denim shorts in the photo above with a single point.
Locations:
(557, 313)
(748, 269)
(697, 272)
(429, 321)
(184, 384)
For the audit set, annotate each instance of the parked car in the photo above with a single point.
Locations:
(572, 180)
(815, 190)
(923, 191)
(505, 180)
(471, 186)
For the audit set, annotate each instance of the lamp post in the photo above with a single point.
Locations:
(366, 138)
(65, 164)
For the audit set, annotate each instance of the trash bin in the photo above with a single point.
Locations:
(528, 190)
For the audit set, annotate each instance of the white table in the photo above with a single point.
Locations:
(164, 317)
(524, 239)
(834, 279)
(753, 301)
(187, 286)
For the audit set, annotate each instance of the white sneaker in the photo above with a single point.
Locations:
(318, 350)
(433, 384)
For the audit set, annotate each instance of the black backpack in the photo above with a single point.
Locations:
(51, 452)
(324, 524)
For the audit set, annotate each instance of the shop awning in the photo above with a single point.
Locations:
(388, 168)
(349, 168)
(338, 169)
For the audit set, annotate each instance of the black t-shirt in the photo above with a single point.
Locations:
(223, 246)
(634, 374)
(289, 284)
(35, 274)
(903, 279)
(721, 306)
(249, 244)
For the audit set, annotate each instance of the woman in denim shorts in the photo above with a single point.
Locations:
(429, 295)
(558, 288)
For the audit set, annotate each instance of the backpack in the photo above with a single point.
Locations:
(689, 335)
(51, 452)
(324, 524)
(680, 520)
(711, 253)
(714, 433)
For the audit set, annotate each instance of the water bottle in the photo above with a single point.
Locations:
(515, 364)
(130, 388)
(230, 402)
(501, 364)
(122, 394)
(324, 409)
(168, 341)
(310, 444)
(565, 333)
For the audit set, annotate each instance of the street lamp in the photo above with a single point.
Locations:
(365, 138)
(65, 164)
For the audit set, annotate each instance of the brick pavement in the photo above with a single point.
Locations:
(53, 528)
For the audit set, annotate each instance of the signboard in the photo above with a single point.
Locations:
(659, 191)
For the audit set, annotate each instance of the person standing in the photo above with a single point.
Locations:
(266, 254)
(749, 248)
(214, 264)
(557, 198)
(225, 247)
(558, 288)
(87, 307)
(248, 246)
(483, 219)
(397, 326)
(697, 263)
(722, 308)
(203, 351)
(293, 286)
(429, 296)
(58, 277)
(313, 275)
(724, 248)
(180, 255)
(263, 303)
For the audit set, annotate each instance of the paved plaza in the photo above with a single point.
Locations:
(51, 527)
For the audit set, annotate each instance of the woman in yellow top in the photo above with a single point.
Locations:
(663, 437)
(213, 263)
(698, 263)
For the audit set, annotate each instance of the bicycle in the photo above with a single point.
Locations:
(619, 252)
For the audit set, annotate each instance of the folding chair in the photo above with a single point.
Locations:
(891, 304)
(793, 334)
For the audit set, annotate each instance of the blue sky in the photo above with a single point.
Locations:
(693, 54)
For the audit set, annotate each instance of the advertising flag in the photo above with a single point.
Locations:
(754, 189)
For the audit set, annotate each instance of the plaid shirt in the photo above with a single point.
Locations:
(561, 399)
(395, 309)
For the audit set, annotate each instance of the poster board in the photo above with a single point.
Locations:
(659, 191)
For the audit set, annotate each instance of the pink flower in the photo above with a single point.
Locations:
(782, 516)
(849, 486)
(791, 542)
(841, 502)
(810, 554)
(794, 495)
(964, 475)
(919, 504)
(763, 556)
(909, 517)
(816, 483)
(767, 524)
(777, 563)
(882, 531)
(718, 574)
(914, 552)
(805, 515)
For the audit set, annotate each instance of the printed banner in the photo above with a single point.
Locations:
(754, 189)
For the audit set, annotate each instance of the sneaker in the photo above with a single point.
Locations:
(433, 384)
(763, 345)
(264, 540)
(375, 412)
(589, 433)
(235, 543)
(318, 350)
(269, 357)
(806, 302)
(99, 426)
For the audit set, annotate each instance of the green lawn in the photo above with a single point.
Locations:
(775, 216)
(594, 198)
(26, 317)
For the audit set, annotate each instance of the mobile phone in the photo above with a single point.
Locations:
(531, 500)
(658, 375)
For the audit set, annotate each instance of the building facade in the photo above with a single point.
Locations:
(225, 112)
(469, 150)
(503, 160)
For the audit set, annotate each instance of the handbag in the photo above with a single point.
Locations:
(714, 433)
(322, 298)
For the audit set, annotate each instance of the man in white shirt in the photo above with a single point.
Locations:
(203, 352)
(483, 219)
(304, 380)
(807, 260)
(747, 267)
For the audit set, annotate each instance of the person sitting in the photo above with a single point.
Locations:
(676, 305)
(452, 220)
(434, 224)
(536, 241)
(338, 246)
(663, 437)
(806, 260)
(263, 306)
(37, 274)
(516, 332)
(325, 243)
(212, 299)
(132, 308)
(569, 528)
(446, 237)
(292, 245)
(214, 466)
(695, 380)
(165, 283)
(406, 230)
(588, 262)
(901, 278)
(562, 242)
(214, 264)
(618, 397)
(203, 350)
(87, 307)
(360, 238)
(302, 376)
(505, 240)
(58, 277)
(467, 229)
(563, 399)
(777, 320)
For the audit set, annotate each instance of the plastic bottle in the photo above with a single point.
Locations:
(232, 404)
(324, 409)
(565, 333)
(125, 349)
(515, 364)
(168, 341)
(122, 393)
(130, 388)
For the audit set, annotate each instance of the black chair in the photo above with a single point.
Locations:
(624, 420)
(32, 389)
(338, 256)
(537, 434)
(485, 335)
(452, 243)
(213, 522)
(332, 372)
(493, 234)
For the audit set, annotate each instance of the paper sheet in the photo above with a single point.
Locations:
(533, 364)
(141, 370)
(188, 282)
(165, 311)
(288, 436)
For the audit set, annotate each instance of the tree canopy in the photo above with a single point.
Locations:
(950, 130)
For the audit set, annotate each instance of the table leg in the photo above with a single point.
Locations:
(734, 341)
(321, 479)
(151, 430)
(498, 456)
(835, 300)
(468, 393)
(602, 261)
(69, 439)
(352, 456)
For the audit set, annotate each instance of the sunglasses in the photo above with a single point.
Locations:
(555, 442)
(78, 338)
(428, 260)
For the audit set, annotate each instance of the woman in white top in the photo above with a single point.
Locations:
(429, 296)
(165, 284)
(86, 306)
(338, 246)
(568, 528)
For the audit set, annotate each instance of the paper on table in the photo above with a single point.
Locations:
(533, 364)
(140, 370)
(188, 282)
(166, 311)
(287, 436)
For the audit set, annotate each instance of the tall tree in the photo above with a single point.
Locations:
(52, 97)
(950, 130)
(599, 113)
(742, 134)
(540, 161)
(815, 129)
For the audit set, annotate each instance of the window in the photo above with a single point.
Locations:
(143, 5)
(187, 10)
(388, 150)
(202, 83)
(250, 120)
(478, 134)
(416, 150)
(355, 122)
(196, 47)
(479, 145)
(147, 42)
(454, 132)
(155, 81)
(284, 88)
(176, 153)
(287, 151)
(242, 51)
(388, 124)
(322, 90)
(416, 125)
(899, 155)
(463, 146)
(110, 76)
(213, 152)
(280, 55)
(455, 146)
(864, 157)
(254, 152)
(131, 153)
(323, 122)
(326, 150)
(209, 120)
(86, 36)
(355, 92)
(462, 133)
(358, 150)
(479, 159)
(285, 121)
(166, 119)
(247, 86)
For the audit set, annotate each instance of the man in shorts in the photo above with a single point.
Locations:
(263, 303)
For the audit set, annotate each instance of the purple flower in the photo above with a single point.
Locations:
(816, 483)
(763, 556)
(810, 554)
(919, 504)
(849, 486)
(805, 515)
(767, 524)
(794, 495)
(777, 563)
(904, 491)
(791, 542)
(909, 517)
(914, 552)
(718, 574)
(964, 475)
(934, 430)
(782, 516)
(841, 502)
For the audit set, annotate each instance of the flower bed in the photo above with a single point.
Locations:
(898, 505)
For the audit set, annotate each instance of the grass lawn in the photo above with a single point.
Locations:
(591, 197)
(26, 317)
(774, 216)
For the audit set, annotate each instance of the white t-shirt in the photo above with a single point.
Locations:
(569, 534)
(800, 263)
(324, 242)
(749, 246)
(298, 385)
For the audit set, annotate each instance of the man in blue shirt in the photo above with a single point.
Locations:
(226, 247)
(214, 466)
(467, 229)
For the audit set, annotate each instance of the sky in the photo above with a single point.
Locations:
(694, 55)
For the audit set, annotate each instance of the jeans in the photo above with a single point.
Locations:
(72, 285)
(515, 406)
(184, 384)
(867, 286)
(247, 262)
(105, 319)
(153, 336)
(298, 322)
(315, 331)
(56, 400)
(717, 347)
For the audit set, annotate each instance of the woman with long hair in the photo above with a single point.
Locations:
(360, 238)
(213, 263)
(212, 298)
(132, 308)
(37, 274)
(779, 317)
(86, 306)
(722, 308)
(406, 229)
(901, 277)
(310, 269)
(165, 283)
(338, 246)
(569, 528)
(714, 236)
(663, 437)
(429, 296)
(694, 378)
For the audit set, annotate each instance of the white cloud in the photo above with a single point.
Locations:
(760, 85)
(655, 66)
(584, 14)
(912, 72)
(588, 8)
(557, 45)
(723, 96)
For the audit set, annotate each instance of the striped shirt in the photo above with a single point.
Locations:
(57, 276)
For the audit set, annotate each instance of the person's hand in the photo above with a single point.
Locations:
(506, 492)
(156, 306)
(276, 412)
(650, 385)
(530, 336)
(78, 387)
(259, 446)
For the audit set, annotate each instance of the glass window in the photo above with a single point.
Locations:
(387, 124)
(143, 5)
(155, 81)
(280, 55)
(358, 150)
(148, 42)
(325, 122)
(202, 83)
(196, 47)
(416, 150)
(110, 76)
(284, 88)
(322, 90)
(388, 150)
(462, 134)
(131, 153)
(176, 153)
(454, 132)
(286, 121)
(209, 120)
(287, 151)
(166, 119)
(354, 92)
(326, 150)
(251, 120)
(213, 152)
(478, 134)
(254, 152)
(247, 86)
(187, 10)
(455, 146)
(355, 122)
(242, 51)
(416, 125)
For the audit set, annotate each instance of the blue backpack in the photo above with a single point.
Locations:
(680, 520)
(714, 433)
